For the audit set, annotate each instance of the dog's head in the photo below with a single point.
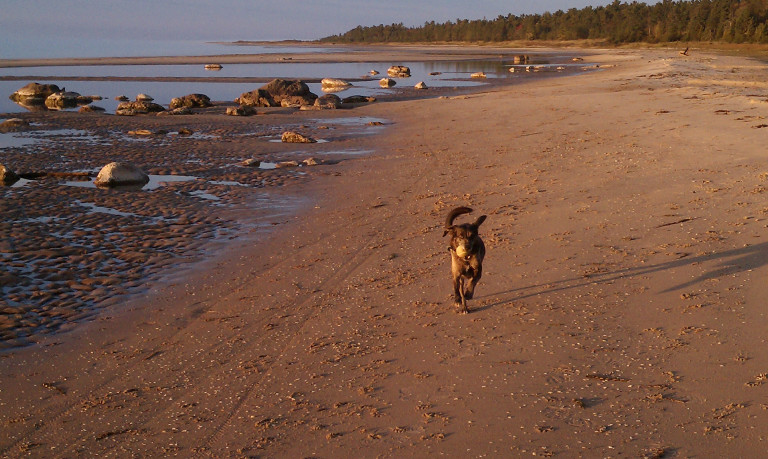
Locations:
(464, 237)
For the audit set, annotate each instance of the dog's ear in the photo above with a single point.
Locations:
(479, 221)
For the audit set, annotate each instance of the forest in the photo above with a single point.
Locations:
(719, 21)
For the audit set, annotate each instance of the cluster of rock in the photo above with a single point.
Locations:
(141, 106)
(399, 71)
(278, 93)
(191, 101)
(50, 96)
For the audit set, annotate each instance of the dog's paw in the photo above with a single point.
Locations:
(461, 309)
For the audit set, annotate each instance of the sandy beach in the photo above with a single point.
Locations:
(620, 313)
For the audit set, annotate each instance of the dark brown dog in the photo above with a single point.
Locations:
(467, 253)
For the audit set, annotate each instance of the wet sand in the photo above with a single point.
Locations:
(620, 313)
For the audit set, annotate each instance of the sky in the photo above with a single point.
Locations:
(244, 19)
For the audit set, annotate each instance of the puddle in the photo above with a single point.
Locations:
(267, 165)
(281, 141)
(26, 138)
(155, 182)
(354, 121)
(204, 195)
(93, 208)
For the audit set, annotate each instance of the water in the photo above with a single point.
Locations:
(450, 74)
(39, 46)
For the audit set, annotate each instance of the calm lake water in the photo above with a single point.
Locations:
(434, 74)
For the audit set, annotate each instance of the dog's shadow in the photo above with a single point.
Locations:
(730, 262)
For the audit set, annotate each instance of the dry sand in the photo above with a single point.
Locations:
(621, 313)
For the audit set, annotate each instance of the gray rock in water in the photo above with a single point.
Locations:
(121, 174)
(399, 71)
(7, 176)
(330, 101)
(34, 93)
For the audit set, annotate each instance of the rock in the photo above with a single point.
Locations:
(251, 162)
(142, 132)
(421, 85)
(328, 101)
(13, 124)
(191, 101)
(90, 109)
(399, 71)
(138, 108)
(122, 98)
(7, 176)
(294, 137)
(185, 131)
(242, 110)
(334, 83)
(374, 72)
(66, 99)
(387, 82)
(521, 59)
(178, 111)
(435, 73)
(144, 98)
(577, 59)
(478, 75)
(358, 100)
(283, 164)
(272, 94)
(34, 93)
(312, 162)
(213, 66)
(121, 174)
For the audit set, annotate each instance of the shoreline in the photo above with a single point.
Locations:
(618, 315)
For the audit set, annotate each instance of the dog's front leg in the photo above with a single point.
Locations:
(478, 273)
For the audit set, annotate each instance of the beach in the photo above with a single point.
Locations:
(620, 313)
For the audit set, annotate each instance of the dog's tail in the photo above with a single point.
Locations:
(455, 213)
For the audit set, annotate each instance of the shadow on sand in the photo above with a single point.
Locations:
(728, 262)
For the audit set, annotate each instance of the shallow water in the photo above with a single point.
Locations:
(450, 74)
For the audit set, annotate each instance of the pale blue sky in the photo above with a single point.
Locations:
(244, 19)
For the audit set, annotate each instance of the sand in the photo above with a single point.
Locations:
(620, 313)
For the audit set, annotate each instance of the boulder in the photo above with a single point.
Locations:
(144, 97)
(90, 109)
(272, 94)
(521, 59)
(330, 101)
(13, 124)
(478, 75)
(120, 174)
(122, 98)
(185, 131)
(242, 110)
(34, 93)
(138, 108)
(213, 66)
(421, 85)
(191, 101)
(374, 72)
(399, 71)
(358, 100)
(387, 82)
(312, 162)
(295, 137)
(251, 162)
(66, 99)
(7, 176)
(334, 83)
(283, 164)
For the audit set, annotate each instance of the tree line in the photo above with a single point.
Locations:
(727, 21)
